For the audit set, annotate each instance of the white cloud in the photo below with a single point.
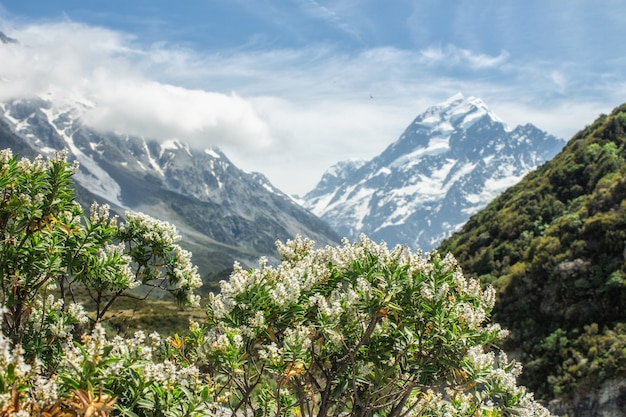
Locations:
(453, 56)
(102, 67)
(155, 110)
(315, 135)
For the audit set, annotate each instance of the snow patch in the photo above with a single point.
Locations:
(360, 206)
(498, 185)
(47, 150)
(492, 188)
(472, 118)
(90, 175)
(383, 171)
(436, 146)
(153, 162)
(212, 153)
(174, 144)
(430, 121)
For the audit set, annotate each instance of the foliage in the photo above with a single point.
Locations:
(134, 377)
(553, 246)
(51, 258)
(355, 330)
(49, 251)
(582, 357)
(360, 330)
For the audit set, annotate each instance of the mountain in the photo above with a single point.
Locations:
(5, 39)
(222, 212)
(554, 247)
(449, 163)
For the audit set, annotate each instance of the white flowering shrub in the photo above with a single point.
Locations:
(138, 372)
(47, 245)
(22, 383)
(159, 262)
(359, 330)
(54, 355)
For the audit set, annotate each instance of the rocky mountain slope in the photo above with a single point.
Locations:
(450, 162)
(554, 247)
(222, 212)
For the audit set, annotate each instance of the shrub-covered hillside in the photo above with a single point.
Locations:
(554, 247)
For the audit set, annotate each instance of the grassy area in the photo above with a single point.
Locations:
(162, 316)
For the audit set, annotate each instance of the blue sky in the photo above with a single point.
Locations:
(284, 86)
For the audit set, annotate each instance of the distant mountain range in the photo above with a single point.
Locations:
(449, 163)
(223, 213)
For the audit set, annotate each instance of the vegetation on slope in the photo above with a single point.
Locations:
(554, 248)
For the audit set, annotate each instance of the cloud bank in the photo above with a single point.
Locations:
(290, 113)
(103, 70)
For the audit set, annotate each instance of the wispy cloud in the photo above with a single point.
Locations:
(318, 11)
(451, 55)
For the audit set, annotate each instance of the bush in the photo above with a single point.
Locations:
(357, 330)
(53, 352)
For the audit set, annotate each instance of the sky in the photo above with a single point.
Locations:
(290, 87)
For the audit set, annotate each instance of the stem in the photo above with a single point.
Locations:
(114, 297)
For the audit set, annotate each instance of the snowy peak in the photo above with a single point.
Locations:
(455, 113)
(449, 163)
(338, 173)
(446, 127)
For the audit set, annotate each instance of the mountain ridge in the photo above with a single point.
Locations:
(223, 213)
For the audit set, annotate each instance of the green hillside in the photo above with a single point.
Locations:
(554, 247)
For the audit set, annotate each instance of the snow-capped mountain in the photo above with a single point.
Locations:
(222, 212)
(449, 163)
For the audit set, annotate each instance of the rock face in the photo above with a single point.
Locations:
(608, 400)
(223, 213)
(449, 163)
(5, 39)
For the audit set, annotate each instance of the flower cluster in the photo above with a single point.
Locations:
(159, 260)
(149, 230)
(51, 316)
(132, 368)
(32, 387)
(99, 215)
(184, 276)
(114, 263)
